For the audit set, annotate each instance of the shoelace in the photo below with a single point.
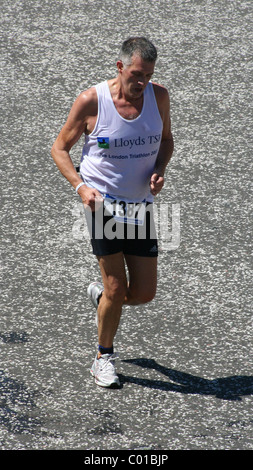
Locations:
(108, 361)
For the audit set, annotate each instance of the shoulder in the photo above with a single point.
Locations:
(162, 99)
(89, 94)
(161, 93)
(86, 102)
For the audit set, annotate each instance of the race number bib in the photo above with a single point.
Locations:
(125, 212)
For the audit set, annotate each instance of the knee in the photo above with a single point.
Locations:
(147, 297)
(142, 296)
(115, 292)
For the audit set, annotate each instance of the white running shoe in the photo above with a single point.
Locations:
(94, 291)
(103, 369)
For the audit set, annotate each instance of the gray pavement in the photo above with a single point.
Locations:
(185, 359)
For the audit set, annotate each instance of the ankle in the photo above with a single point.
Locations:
(102, 350)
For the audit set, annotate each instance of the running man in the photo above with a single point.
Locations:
(127, 146)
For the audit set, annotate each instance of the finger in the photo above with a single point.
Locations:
(154, 178)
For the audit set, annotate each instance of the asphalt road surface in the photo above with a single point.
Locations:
(185, 360)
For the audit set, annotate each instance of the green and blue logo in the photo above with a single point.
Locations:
(103, 142)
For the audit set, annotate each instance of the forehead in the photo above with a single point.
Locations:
(141, 65)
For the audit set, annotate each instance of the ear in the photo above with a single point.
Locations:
(120, 66)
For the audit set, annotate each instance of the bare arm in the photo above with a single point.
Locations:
(167, 143)
(78, 121)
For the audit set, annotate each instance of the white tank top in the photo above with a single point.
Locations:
(119, 155)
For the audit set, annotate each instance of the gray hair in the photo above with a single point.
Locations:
(137, 46)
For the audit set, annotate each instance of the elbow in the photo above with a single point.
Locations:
(53, 151)
(170, 141)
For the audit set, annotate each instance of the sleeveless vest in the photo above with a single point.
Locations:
(119, 155)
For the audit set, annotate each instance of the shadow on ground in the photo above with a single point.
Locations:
(225, 388)
(17, 406)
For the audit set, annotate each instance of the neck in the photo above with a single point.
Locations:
(127, 106)
(120, 92)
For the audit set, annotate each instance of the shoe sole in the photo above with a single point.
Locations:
(89, 288)
(115, 384)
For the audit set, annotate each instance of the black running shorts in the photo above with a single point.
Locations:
(108, 236)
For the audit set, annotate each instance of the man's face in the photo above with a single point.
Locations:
(135, 77)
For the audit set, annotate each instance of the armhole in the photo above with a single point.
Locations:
(98, 113)
(152, 88)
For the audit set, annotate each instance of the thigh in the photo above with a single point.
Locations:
(142, 277)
